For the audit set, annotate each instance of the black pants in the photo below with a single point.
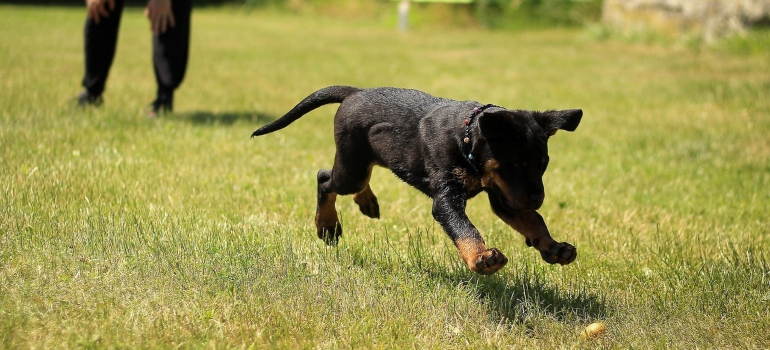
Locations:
(169, 50)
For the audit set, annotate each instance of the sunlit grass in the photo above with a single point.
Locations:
(119, 231)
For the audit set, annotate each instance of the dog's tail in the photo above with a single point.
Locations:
(327, 95)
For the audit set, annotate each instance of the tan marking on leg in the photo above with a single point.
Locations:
(532, 229)
(364, 197)
(326, 215)
(367, 202)
(478, 258)
(470, 248)
(537, 235)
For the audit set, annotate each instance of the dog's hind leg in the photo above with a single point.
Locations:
(327, 223)
(367, 201)
(344, 178)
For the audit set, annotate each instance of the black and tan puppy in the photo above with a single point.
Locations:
(449, 150)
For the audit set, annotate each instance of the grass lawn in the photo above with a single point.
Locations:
(117, 231)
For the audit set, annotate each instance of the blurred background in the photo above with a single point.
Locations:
(691, 20)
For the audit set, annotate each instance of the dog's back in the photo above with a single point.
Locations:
(402, 108)
(363, 108)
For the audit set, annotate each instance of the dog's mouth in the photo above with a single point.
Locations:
(515, 206)
(503, 200)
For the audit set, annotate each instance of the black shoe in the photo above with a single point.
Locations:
(85, 99)
(160, 107)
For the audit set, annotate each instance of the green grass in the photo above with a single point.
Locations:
(121, 232)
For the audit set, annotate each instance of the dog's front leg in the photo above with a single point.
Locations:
(532, 226)
(449, 211)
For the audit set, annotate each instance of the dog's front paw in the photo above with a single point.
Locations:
(488, 262)
(561, 253)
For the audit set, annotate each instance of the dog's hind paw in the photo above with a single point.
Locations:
(330, 235)
(561, 253)
(370, 208)
(367, 203)
(488, 262)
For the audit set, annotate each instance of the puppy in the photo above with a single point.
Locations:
(450, 151)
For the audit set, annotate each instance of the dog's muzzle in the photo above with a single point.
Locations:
(533, 201)
(536, 200)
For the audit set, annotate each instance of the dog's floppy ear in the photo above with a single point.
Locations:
(497, 125)
(567, 119)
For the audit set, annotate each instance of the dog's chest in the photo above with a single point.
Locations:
(472, 183)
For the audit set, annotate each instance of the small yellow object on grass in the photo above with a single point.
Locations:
(593, 330)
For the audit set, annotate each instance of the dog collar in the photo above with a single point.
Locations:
(467, 138)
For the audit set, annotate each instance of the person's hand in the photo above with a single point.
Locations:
(97, 9)
(160, 15)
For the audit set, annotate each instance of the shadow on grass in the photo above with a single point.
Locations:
(518, 294)
(529, 294)
(524, 294)
(225, 118)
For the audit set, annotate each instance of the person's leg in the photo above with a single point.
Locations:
(100, 43)
(170, 53)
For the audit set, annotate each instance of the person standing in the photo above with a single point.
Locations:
(170, 26)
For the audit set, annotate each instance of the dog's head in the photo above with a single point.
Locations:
(517, 147)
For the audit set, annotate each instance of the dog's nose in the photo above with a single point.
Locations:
(537, 199)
